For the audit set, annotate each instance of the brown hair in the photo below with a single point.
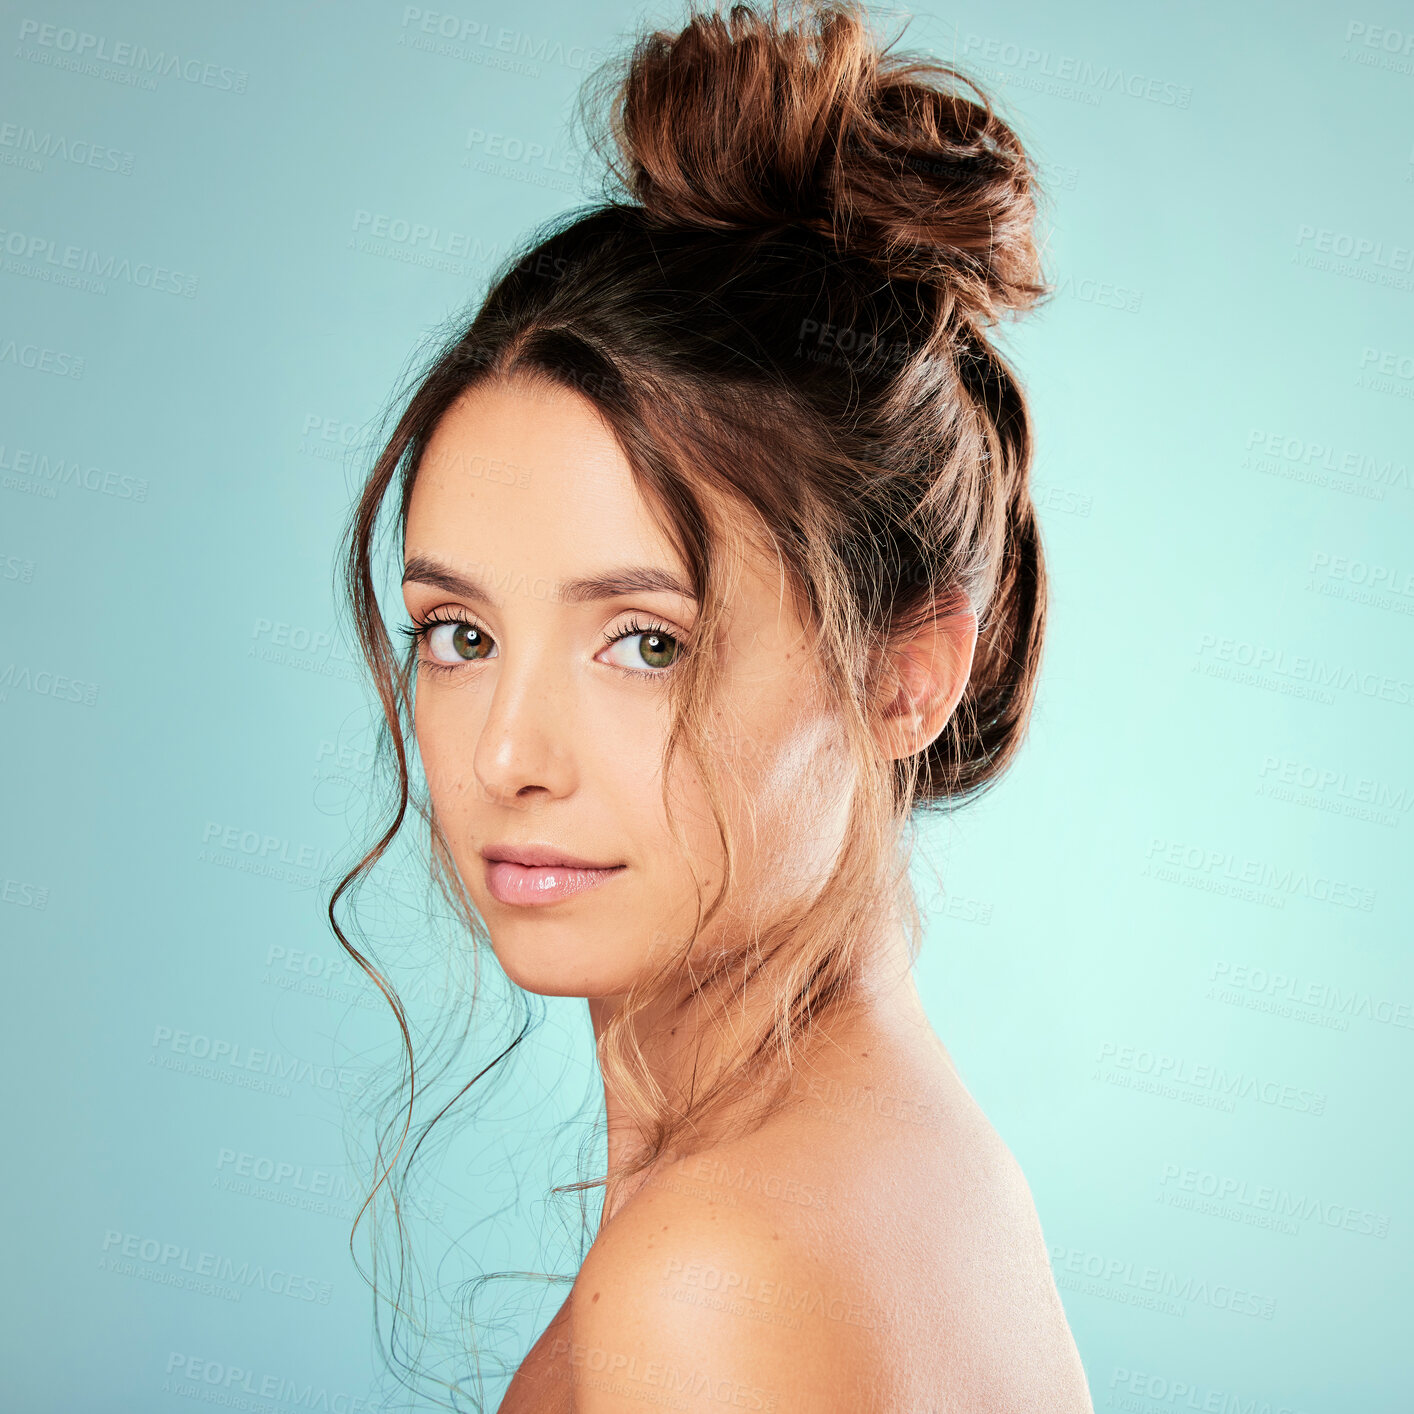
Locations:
(781, 309)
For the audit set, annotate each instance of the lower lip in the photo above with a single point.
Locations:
(532, 884)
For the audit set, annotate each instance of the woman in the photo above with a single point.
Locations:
(722, 568)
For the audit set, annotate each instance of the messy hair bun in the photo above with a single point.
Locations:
(737, 123)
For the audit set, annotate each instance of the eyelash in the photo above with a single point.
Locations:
(417, 631)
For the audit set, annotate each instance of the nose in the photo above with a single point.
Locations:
(524, 749)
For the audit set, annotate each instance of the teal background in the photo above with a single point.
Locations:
(1198, 874)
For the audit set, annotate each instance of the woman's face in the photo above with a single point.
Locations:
(544, 714)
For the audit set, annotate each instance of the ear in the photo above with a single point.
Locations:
(923, 680)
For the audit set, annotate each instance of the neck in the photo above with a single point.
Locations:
(885, 1008)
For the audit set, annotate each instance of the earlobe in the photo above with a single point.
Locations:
(923, 681)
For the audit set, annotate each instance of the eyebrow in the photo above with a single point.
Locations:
(611, 584)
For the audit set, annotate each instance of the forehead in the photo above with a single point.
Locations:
(519, 465)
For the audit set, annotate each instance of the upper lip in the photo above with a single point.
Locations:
(539, 855)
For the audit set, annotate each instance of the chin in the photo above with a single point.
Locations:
(562, 961)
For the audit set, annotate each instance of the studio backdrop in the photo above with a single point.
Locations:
(1169, 953)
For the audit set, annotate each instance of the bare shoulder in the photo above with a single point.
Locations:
(929, 1203)
(875, 1248)
(704, 1305)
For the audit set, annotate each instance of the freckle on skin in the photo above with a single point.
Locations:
(594, 1298)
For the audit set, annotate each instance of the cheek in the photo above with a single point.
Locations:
(446, 738)
(799, 799)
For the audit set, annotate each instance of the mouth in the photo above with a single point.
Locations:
(520, 875)
(547, 883)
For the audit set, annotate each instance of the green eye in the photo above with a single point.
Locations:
(658, 650)
(647, 649)
(457, 642)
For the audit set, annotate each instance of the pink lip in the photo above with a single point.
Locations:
(512, 883)
(538, 854)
